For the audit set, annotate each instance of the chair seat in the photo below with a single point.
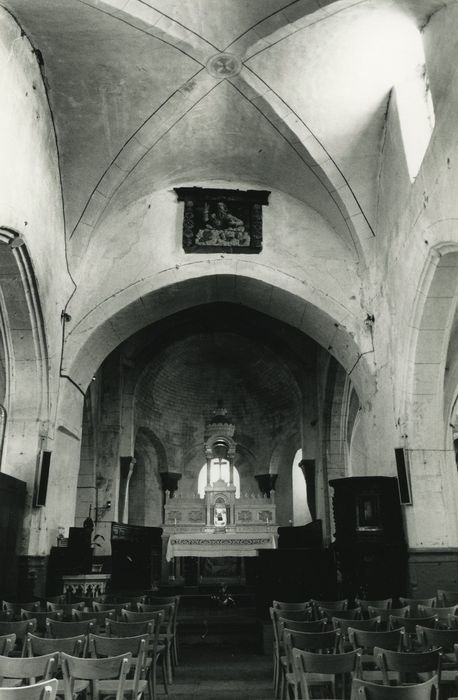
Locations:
(79, 687)
(111, 687)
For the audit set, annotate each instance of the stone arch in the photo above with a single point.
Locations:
(429, 339)
(23, 338)
(250, 284)
(433, 468)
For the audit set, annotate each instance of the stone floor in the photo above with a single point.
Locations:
(222, 663)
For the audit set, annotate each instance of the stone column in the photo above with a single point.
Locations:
(309, 472)
(127, 465)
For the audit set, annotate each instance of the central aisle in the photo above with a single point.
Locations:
(214, 672)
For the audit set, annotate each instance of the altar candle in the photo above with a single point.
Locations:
(175, 522)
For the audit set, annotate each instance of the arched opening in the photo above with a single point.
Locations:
(219, 469)
(301, 512)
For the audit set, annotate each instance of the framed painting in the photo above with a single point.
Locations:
(216, 220)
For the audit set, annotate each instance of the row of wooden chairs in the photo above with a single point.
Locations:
(354, 634)
(443, 598)
(145, 649)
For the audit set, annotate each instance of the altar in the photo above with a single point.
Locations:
(219, 545)
(207, 535)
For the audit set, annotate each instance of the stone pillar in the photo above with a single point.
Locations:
(126, 467)
(309, 471)
(266, 483)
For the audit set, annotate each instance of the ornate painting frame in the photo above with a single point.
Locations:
(222, 221)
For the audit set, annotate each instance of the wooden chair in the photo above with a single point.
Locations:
(38, 646)
(365, 690)
(15, 608)
(406, 667)
(156, 650)
(60, 630)
(277, 651)
(302, 625)
(65, 608)
(165, 600)
(312, 669)
(447, 597)
(41, 617)
(445, 640)
(19, 628)
(98, 618)
(307, 641)
(330, 604)
(329, 613)
(22, 671)
(7, 644)
(413, 603)
(441, 614)
(103, 647)
(367, 640)
(383, 603)
(166, 635)
(95, 671)
(371, 625)
(45, 690)
(110, 607)
(410, 625)
(384, 613)
(286, 606)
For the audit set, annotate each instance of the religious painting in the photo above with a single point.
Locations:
(218, 220)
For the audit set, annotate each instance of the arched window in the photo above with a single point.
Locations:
(301, 513)
(215, 474)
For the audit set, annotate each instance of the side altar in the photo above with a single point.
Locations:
(205, 534)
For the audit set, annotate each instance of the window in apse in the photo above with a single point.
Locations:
(215, 475)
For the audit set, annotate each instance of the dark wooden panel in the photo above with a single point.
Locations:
(12, 498)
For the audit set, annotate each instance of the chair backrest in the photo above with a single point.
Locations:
(367, 639)
(168, 610)
(312, 641)
(7, 642)
(98, 618)
(42, 667)
(435, 638)
(41, 617)
(132, 616)
(410, 623)
(45, 690)
(16, 608)
(331, 604)
(441, 614)
(408, 663)
(365, 690)
(116, 628)
(384, 603)
(386, 612)
(372, 624)
(37, 646)
(284, 605)
(58, 630)
(447, 597)
(66, 608)
(329, 613)
(413, 603)
(302, 625)
(305, 662)
(109, 607)
(115, 667)
(6, 615)
(19, 628)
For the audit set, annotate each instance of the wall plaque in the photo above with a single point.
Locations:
(228, 221)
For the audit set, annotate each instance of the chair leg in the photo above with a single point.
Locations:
(168, 652)
(164, 672)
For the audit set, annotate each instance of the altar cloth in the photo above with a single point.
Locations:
(219, 544)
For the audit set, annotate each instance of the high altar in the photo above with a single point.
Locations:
(219, 527)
